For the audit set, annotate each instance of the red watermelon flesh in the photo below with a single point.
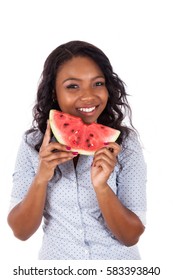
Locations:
(83, 138)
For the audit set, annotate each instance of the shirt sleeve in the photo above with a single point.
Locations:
(24, 172)
(132, 177)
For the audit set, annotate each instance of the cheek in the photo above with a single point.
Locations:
(65, 101)
(105, 96)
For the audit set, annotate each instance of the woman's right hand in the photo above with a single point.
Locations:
(51, 154)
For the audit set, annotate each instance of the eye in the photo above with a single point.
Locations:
(72, 86)
(99, 84)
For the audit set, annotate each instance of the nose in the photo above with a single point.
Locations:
(87, 94)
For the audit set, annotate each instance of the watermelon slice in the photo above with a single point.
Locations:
(84, 138)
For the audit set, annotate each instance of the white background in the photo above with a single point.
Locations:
(137, 36)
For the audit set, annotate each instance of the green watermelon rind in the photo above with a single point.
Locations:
(57, 134)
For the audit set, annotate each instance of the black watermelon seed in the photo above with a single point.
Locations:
(66, 124)
(92, 135)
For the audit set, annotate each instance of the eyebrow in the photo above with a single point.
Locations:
(77, 79)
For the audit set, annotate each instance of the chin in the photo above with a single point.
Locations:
(89, 120)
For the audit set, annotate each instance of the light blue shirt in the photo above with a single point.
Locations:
(73, 225)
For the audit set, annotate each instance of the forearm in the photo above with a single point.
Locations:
(25, 218)
(123, 223)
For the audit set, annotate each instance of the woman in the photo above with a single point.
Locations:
(93, 206)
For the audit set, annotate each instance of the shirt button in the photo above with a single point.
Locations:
(81, 230)
(86, 251)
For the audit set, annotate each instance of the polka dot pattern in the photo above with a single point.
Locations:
(73, 226)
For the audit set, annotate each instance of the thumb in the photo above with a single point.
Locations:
(47, 135)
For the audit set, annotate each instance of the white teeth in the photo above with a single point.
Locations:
(87, 110)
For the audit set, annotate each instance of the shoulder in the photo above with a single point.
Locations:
(132, 167)
(131, 146)
(32, 138)
(131, 142)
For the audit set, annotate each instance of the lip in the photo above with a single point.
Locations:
(87, 107)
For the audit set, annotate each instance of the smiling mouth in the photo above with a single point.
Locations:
(87, 110)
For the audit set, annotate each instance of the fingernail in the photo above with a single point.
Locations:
(106, 143)
(75, 153)
(111, 150)
(68, 148)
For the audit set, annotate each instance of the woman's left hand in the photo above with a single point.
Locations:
(103, 164)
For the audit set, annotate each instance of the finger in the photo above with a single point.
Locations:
(56, 155)
(55, 146)
(106, 166)
(105, 152)
(47, 135)
(104, 163)
(112, 147)
(55, 162)
(106, 156)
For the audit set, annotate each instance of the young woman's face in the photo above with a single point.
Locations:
(80, 89)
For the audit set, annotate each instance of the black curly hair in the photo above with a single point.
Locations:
(117, 107)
